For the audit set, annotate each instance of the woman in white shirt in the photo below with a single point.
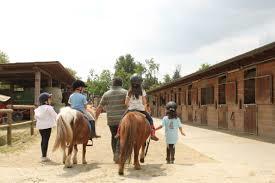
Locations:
(136, 101)
(45, 119)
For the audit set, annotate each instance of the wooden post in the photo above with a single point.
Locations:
(9, 128)
(32, 119)
(37, 87)
(50, 82)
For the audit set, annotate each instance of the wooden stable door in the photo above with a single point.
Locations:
(250, 119)
(222, 117)
(204, 115)
(190, 113)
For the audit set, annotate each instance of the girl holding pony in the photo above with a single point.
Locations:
(171, 123)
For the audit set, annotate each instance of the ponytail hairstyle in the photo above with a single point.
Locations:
(171, 108)
(172, 114)
(135, 86)
(135, 91)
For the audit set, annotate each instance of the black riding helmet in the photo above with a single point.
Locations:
(171, 106)
(136, 79)
(43, 97)
(78, 83)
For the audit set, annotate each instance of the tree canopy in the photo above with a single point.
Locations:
(204, 66)
(3, 58)
(73, 72)
(126, 66)
(167, 78)
(99, 84)
(176, 74)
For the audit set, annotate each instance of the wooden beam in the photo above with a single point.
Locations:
(3, 72)
(42, 71)
(37, 87)
(50, 82)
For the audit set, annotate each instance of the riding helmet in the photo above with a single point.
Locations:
(136, 79)
(43, 97)
(78, 83)
(171, 106)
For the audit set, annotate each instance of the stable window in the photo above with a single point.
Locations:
(189, 102)
(222, 91)
(207, 95)
(249, 86)
(264, 89)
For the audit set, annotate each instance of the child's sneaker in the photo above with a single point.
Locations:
(45, 159)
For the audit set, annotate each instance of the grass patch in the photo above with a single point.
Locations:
(21, 138)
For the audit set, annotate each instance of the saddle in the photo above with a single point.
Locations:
(140, 114)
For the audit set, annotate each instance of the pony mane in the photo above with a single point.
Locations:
(68, 114)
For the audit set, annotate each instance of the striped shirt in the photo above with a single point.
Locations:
(113, 101)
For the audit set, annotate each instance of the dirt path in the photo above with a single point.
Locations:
(24, 166)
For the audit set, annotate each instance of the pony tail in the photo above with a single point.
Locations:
(64, 134)
(129, 137)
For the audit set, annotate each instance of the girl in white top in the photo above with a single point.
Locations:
(136, 101)
(45, 119)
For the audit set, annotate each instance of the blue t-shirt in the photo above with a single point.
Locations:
(78, 101)
(171, 129)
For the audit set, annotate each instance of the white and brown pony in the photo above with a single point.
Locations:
(72, 129)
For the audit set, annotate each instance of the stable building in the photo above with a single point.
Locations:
(25, 81)
(236, 94)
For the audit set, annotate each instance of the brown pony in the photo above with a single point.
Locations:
(134, 131)
(72, 129)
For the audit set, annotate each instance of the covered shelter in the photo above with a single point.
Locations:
(32, 77)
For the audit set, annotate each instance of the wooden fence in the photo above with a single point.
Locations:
(10, 124)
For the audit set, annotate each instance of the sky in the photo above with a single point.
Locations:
(92, 34)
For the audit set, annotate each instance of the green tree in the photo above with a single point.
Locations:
(3, 58)
(150, 79)
(167, 78)
(73, 73)
(99, 84)
(204, 66)
(125, 67)
(176, 74)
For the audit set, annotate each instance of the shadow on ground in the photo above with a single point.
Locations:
(79, 168)
(147, 172)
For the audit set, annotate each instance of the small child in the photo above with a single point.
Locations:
(45, 119)
(78, 101)
(171, 123)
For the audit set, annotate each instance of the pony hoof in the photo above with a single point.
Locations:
(120, 173)
(75, 162)
(137, 167)
(68, 166)
(142, 160)
(84, 162)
